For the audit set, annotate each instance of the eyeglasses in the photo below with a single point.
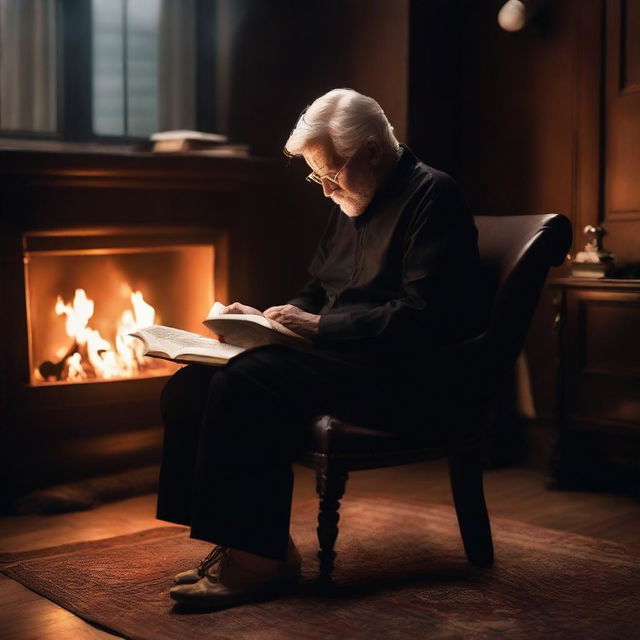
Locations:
(317, 178)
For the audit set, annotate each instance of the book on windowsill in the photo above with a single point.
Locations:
(188, 134)
(239, 331)
(201, 148)
(195, 142)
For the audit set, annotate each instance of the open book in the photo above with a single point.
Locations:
(239, 331)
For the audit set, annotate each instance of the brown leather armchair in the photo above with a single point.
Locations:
(516, 253)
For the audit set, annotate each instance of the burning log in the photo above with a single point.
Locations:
(55, 370)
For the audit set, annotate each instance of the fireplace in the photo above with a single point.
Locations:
(86, 292)
(89, 405)
(91, 233)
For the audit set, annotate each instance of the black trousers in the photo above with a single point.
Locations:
(232, 433)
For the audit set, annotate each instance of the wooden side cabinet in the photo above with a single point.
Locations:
(598, 400)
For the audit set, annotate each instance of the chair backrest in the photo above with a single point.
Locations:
(516, 253)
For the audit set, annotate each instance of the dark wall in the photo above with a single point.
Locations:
(498, 110)
(435, 82)
(518, 119)
(518, 136)
(518, 112)
(284, 54)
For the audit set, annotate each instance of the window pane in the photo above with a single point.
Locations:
(108, 67)
(142, 67)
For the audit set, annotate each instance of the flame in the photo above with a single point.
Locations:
(145, 313)
(92, 355)
(76, 371)
(78, 315)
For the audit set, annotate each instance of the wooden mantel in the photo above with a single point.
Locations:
(101, 167)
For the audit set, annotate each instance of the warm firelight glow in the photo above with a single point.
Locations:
(91, 356)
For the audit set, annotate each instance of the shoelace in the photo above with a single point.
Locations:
(213, 558)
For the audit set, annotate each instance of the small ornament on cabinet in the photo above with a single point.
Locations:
(594, 261)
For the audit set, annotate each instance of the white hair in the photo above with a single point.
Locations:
(348, 118)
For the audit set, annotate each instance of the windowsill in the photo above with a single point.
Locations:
(135, 149)
(60, 146)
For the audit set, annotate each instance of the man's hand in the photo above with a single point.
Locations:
(303, 323)
(237, 307)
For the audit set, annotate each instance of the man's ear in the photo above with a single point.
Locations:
(374, 151)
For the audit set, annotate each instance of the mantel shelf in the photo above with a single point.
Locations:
(21, 168)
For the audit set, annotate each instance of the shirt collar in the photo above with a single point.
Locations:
(394, 184)
(400, 174)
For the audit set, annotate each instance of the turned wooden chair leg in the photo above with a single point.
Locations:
(468, 495)
(330, 484)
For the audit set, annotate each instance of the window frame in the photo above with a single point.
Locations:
(74, 68)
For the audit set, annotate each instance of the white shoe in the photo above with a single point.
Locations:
(208, 566)
(236, 584)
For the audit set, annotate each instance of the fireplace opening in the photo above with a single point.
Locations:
(85, 294)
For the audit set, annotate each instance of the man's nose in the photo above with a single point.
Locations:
(328, 187)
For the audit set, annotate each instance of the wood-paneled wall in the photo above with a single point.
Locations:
(284, 54)
(541, 120)
(621, 211)
(520, 135)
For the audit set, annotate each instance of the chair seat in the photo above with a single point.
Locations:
(330, 435)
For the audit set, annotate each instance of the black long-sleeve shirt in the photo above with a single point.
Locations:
(402, 277)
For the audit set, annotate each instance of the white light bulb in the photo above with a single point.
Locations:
(513, 15)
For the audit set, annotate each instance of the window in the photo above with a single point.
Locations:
(106, 69)
(124, 70)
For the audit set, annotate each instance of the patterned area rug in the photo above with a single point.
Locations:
(401, 573)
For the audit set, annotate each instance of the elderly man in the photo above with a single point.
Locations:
(392, 285)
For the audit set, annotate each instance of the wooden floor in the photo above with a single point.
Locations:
(519, 494)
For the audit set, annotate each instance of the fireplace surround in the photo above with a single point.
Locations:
(181, 230)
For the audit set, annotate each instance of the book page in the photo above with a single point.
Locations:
(178, 338)
(252, 331)
(175, 343)
(216, 314)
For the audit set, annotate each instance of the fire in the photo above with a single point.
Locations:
(93, 356)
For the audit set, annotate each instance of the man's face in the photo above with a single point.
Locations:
(356, 184)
